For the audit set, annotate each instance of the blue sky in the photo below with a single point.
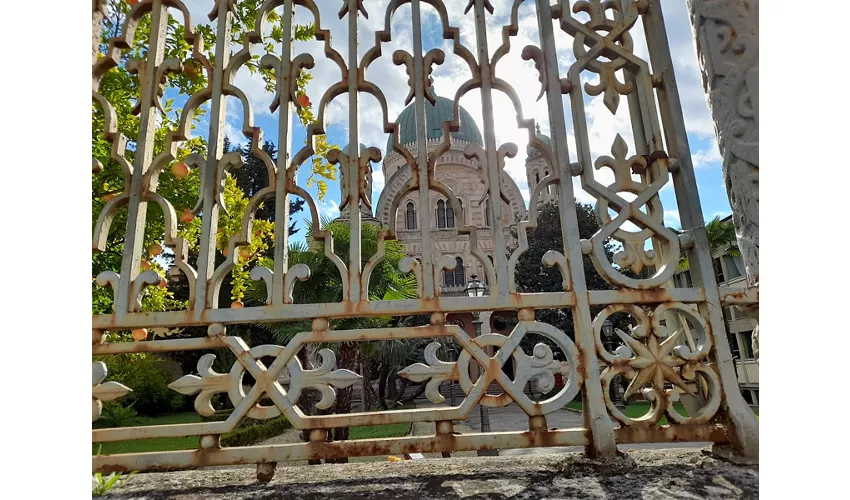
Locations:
(602, 125)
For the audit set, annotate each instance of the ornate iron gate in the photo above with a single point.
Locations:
(659, 351)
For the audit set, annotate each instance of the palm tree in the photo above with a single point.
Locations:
(325, 286)
(721, 235)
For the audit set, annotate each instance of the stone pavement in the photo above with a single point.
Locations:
(656, 474)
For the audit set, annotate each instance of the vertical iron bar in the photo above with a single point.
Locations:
(428, 256)
(355, 261)
(595, 414)
(491, 154)
(134, 235)
(215, 147)
(284, 155)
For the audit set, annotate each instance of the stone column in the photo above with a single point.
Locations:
(726, 36)
(98, 9)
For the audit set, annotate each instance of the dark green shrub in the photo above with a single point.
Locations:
(219, 416)
(254, 431)
(116, 415)
(145, 374)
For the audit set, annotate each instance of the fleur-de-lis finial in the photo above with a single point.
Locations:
(353, 6)
(487, 5)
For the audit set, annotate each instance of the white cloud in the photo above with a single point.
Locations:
(392, 80)
(708, 156)
(378, 182)
(328, 207)
(671, 218)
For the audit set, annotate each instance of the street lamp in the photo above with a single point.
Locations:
(474, 288)
(609, 339)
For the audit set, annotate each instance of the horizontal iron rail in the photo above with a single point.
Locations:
(301, 312)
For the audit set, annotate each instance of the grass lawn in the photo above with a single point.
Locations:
(191, 442)
(157, 444)
(635, 410)
(379, 431)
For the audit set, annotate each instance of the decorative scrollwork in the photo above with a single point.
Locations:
(650, 223)
(540, 366)
(617, 30)
(324, 379)
(652, 355)
(435, 372)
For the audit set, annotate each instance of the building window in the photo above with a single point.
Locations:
(460, 279)
(747, 345)
(441, 214)
(549, 186)
(733, 344)
(455, 278)
(460, 215)
(683, 280)
(536, 177)
(487, 212)
(733, 269)
(718, 271)
(450, 215)
(410, 216)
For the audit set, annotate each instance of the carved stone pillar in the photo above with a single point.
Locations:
(726, 36)
(98, 9)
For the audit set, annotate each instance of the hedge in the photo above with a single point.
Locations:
(251, 431)
(255, 431)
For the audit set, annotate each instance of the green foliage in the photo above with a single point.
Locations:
(325, 284)
(101, 485)
(532, 276)
(254, 431)
(145, 375)
(114, 414)
(120, 88)
(721, 235)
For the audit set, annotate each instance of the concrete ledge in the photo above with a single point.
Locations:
(671, 473)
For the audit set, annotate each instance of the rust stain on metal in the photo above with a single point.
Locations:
(639, 170)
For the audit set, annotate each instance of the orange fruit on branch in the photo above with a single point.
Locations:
(180, 169)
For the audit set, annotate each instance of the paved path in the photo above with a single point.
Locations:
(512, 418)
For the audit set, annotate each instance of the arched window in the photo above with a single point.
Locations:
(450, 215)
(441, 214)
(548, 187)
(460, 215)
(460, 278)
(456, 277)
(410, 216)
(536, 177)
(487, 212)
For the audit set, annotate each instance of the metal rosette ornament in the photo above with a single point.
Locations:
(654, 354)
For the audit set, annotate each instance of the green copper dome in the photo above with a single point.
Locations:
(362, 149)
(545, 138)
(434, 118)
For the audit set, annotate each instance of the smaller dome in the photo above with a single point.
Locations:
(363, 149)
(531, 150)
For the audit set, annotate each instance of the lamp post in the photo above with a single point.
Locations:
(609, 339)
(474, 288)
